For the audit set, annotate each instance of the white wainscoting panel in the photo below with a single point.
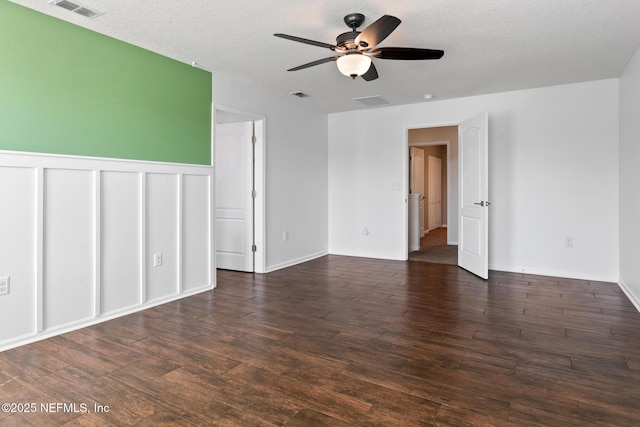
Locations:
(121, 245)
(69, 246)
(78, 235)
(196, 232)
(18, 250)
(162, 235)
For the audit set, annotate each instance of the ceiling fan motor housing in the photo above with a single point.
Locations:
(347, 40)
(354, 20)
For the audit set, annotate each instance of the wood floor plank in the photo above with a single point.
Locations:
(455, 417)
(309, 417)
(429, 390)
(343, 341)
(393, 404)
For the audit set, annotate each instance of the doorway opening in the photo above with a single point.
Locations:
(238, 161)
(433, 188)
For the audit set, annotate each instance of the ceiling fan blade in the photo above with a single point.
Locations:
(305, 41)
(406, 53)
(377, 31)
(371, 73)
(311, 64)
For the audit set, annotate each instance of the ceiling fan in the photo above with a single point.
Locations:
(357, 48)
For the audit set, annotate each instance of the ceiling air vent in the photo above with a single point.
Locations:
(76, 7)
(371, 101)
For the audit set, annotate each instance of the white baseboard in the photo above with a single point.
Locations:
(296, 261)
(550, 273)
(632, 297)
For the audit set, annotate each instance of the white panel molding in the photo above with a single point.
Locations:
(97, 276)
(18, 224)
(69, 246)
(90, 237)
(143, 237)
(179, 237)
(120, 243)
(162, 229)
(211, 248)
(59, 161)
(196, 243)
(39, 190)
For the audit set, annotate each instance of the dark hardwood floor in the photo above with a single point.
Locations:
(345, 341)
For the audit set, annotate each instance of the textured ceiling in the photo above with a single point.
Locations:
(490, 45)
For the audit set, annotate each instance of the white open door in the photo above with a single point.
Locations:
(233, 160)
(473, 193)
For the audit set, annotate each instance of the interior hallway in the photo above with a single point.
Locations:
(434, 248)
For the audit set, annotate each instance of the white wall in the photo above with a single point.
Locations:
(77, 238)
(553, 159)
(630, 179)
(296, 170)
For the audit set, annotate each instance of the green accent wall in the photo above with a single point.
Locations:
(68, 90)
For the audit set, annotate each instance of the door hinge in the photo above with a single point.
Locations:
(254, 139)
(254, 194)
(254, 248)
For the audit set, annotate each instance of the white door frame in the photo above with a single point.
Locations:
(405, 174)
(259, 178)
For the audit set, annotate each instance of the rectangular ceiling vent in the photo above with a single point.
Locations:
(372, 101)
(76, 7)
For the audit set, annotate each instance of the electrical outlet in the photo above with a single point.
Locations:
(4, 285)
(568, 242)
(285, 236)
(157, 259)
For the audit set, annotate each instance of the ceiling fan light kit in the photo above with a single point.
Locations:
(354, 65)
(356, 49)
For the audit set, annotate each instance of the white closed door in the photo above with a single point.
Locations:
(434, 194)
(473, 194)
(233, 161)
(417, 182)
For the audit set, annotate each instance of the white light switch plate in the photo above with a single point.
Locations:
(4, 285)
